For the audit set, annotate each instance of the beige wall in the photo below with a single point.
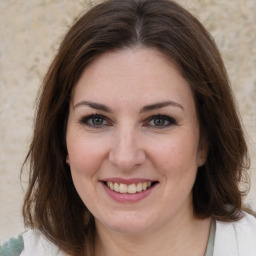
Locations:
(30, 32)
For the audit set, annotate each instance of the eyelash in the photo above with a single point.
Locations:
(146, 123)
(86, 120)
(166, 118)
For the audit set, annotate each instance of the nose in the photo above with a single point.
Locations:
(127, 152)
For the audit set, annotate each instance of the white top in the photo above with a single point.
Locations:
(231, 239)
(37, 244)
(236, 238)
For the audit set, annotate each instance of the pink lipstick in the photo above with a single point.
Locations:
(128, 190)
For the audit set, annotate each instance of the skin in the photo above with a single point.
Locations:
(130, 142)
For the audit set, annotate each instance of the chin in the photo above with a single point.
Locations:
(129, 223)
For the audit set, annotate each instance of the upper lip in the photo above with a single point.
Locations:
(127, 181)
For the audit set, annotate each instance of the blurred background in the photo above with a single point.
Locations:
(31, 32)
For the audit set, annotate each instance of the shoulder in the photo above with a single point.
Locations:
(35, 243)
(236, 238)
(31, 242)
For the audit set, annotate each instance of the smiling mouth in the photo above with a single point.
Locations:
(131, 188)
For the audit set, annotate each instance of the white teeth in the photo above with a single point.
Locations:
(116, 187)
(139, 187)
(131, 188)
(123, 188)
(144, 185)
(110, 185)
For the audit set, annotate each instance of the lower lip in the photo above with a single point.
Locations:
(128, 198)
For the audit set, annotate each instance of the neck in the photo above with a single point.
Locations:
(177, 239)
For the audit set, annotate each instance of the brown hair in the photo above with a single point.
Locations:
(51, 203)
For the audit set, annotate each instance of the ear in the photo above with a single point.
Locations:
(202, 152)
(67, 159)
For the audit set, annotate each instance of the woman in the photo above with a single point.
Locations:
(137, 145)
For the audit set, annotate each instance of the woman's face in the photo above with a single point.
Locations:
(133, 141)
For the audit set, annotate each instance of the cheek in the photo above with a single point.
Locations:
(85, 160)
(85, 156)
(176, 156)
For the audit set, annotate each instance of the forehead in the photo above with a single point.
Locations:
(137, 74)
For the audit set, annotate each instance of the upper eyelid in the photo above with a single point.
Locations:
(160, 116)
(87, 117)
(92, 115)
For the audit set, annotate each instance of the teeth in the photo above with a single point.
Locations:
(130, 189)
(144, 185)
(110, 185)
(116, 187)
(139, 187)
(123, 188)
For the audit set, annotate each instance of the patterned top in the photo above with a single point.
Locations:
(13, 247)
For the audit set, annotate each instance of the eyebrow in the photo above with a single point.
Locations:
(160, 105)
(94, 105)
(147, 108)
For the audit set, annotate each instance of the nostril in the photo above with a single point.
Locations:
(126, 159)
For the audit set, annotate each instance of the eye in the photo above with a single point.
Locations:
(160, 121)
(95, 121)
